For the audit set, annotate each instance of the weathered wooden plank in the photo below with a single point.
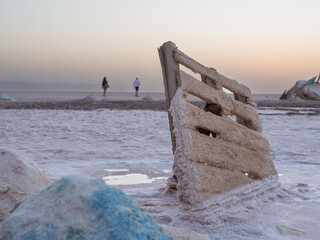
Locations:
(171, 79)
(199, 182)
(210, 83)
(195, 146)
(237, 154)
(228, 105)
(224, 155)
(212, 74)
(227, 129)
(170, 70)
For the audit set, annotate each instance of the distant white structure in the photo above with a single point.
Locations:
(5, 97)
(235, 154)
(308, 90)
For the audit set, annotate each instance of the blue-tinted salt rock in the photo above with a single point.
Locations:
(79, 208)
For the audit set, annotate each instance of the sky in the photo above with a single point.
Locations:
(266, 45)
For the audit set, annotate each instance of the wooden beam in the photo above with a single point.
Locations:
(171, 79)
(225, 155)
(241, 120)
(227, 104)
(212, 74)
(170, 70)
(227, 129)
(194, 187)
(211, 83)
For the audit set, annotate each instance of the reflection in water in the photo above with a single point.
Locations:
(130, 179)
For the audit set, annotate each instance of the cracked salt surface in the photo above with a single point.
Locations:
(110, 143)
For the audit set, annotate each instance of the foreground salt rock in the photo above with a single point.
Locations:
(19, 177)
(77, 207)
(302, 90)
(213, 154)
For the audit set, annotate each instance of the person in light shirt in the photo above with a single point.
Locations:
(136, 85)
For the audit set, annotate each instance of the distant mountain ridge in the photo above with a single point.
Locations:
(27, 86)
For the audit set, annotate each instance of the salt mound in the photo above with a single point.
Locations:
(5, 97)
(91, 98)
(19, 177)
(79, 208)
(147, 98)
(303, 90)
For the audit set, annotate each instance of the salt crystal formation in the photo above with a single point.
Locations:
(19, 177)
(79, 208)
(234, 155)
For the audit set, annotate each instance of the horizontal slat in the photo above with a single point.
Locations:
(212, 74)
(228, 105)
(229, 130)
(221, 154)
(199, 182)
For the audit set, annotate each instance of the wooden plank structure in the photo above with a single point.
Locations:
(238, 154)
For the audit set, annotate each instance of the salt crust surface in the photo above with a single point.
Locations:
(64, 142)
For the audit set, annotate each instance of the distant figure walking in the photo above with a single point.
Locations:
(136, 85)
(105, 85)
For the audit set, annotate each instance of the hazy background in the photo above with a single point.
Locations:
(267, 45)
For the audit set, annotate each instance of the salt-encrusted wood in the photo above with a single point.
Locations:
(213, 75)
(234, 154)
(199, 182)
(171, 79)
(170, 70)
(228, 105)
(207, 166)
(211, 83)
(227, 129)
(257, 164)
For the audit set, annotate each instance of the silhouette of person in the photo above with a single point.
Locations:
(105, 85)
(136, 85)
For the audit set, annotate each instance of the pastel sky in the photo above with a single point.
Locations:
(266, 45)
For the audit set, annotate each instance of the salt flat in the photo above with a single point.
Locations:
(122, 100)
(114, 96)
(132, 151)
(66, 96)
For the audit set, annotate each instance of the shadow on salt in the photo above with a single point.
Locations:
(128, 179)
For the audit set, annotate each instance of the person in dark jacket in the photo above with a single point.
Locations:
(105, 85)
